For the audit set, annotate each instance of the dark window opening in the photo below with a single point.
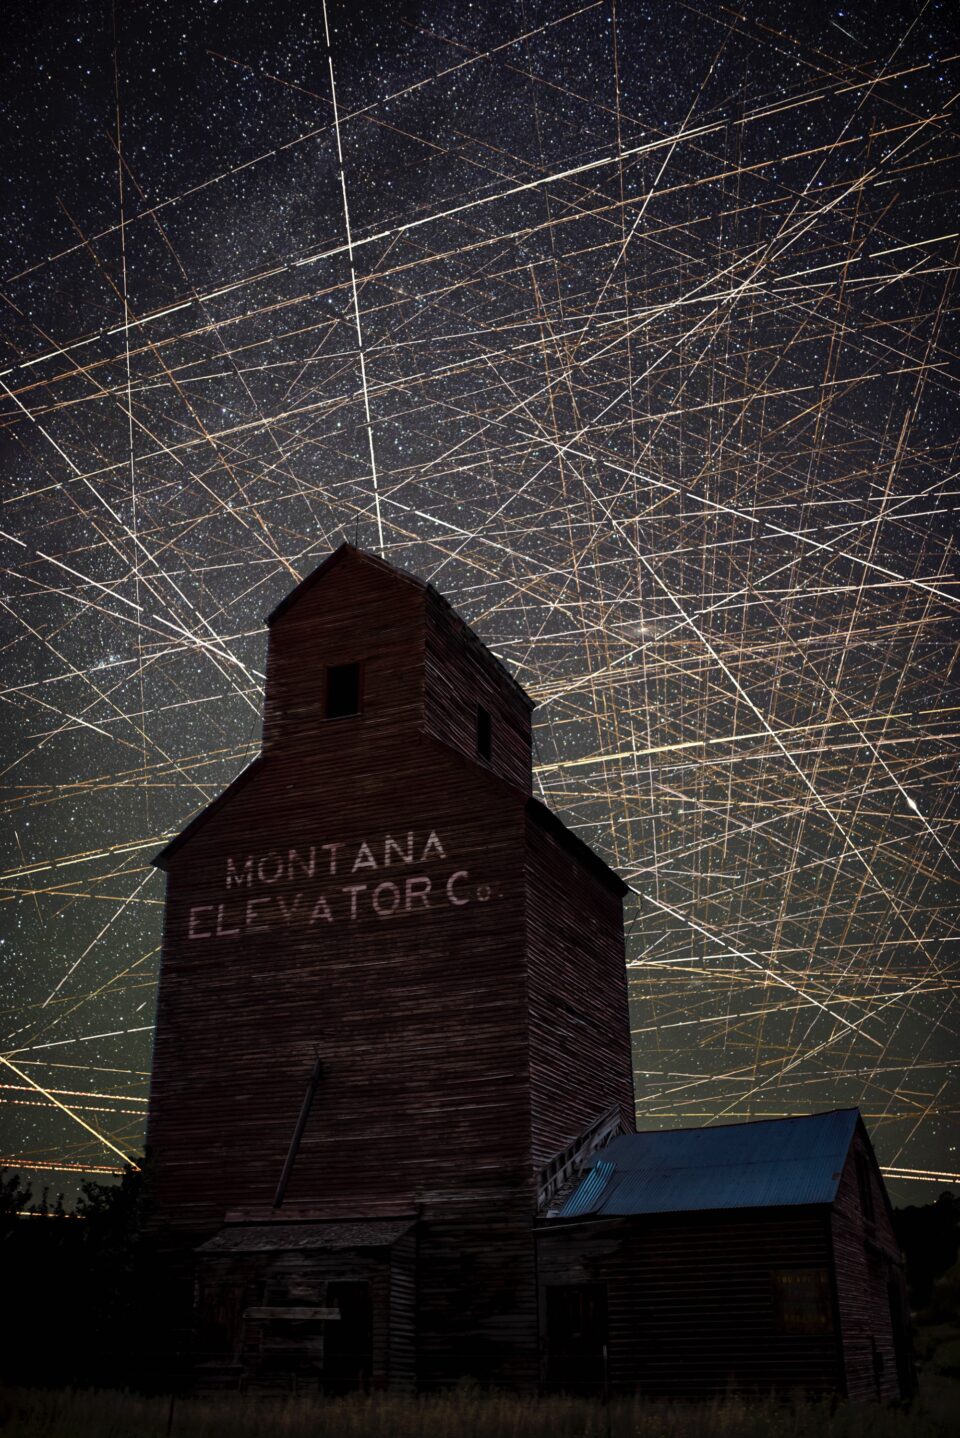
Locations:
(576, 1315)
(343, 691)
(220, 1310)
(801, 1300)
(865, 1187)
(484, 734)
(348, 1342)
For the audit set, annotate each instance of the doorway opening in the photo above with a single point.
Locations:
(576, 1325)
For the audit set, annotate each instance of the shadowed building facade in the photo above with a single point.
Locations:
(390, 1138)
(392, 980)
(740, 1259)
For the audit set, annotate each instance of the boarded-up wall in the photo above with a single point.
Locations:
(580, 1052)
(870, 1285)
(692, 1299)
(363, 892)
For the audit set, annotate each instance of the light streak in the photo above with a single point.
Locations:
(27, 1161)
(659, 400)
(83, 1039)
(927, 1175)
(97, 937)
(71, 1113)
(353, 284)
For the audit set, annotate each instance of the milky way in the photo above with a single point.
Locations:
(629, 326)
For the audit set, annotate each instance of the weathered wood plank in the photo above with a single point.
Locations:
(375, 893)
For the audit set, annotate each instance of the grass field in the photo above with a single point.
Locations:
(40, 1413)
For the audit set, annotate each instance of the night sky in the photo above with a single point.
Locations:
(648, 364)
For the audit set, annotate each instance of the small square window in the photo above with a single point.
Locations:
(484, 734)
(801, 1300)
(343, 691)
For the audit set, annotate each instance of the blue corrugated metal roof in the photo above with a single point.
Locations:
(746, 1165)
(589, 1191)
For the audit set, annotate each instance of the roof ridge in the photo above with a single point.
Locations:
(744, 1123)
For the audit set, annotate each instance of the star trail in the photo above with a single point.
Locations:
(629, 326)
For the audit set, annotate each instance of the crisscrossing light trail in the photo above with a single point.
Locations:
(633, 327)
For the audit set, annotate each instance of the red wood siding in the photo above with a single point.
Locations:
(402, 1349)
(867, 1259)
(476, 1288)
(360, 612)
(364, 891)
(459, 674)
(233, 1344)
(690, 1299)
(580, 1050)
(419, 1014)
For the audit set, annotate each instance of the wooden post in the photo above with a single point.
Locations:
(290, 1159)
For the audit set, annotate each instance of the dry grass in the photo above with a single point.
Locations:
(38, 1413)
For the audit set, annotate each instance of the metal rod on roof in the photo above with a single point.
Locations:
(301, 1124)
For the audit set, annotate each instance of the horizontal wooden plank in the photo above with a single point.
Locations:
(376, 893)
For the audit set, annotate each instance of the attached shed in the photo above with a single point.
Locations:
(321, 1305)
(745, 1259)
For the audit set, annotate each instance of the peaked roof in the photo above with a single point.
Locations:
(332, 561)
(342, 552)
(350, 551)
(766, 1164)
(221, 800)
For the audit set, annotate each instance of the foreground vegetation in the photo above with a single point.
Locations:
(39, 1413)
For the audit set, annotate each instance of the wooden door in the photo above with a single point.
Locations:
(576, 1322)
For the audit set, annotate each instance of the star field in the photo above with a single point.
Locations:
(629, 326)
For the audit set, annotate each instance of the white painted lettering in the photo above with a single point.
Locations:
(193, 932)
(250, 917)
(270, 868)
(416, 889)
(433, 845)
(321, 910)
(223, 933)
(331, 850)
(364, 859)
(460, 874)
(242, 876)
(353, 890)
(391, 847)
(289, 914)
(307, 865)
(312, 861)
(385, 899)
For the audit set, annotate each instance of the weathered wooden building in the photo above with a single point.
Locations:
(377, 914)
(392, 1034)
(740, 1259)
